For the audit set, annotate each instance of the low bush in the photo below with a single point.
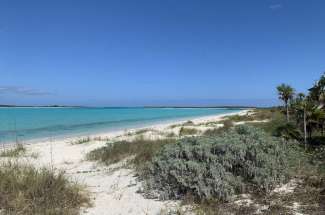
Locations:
(27, 190)
(141, 150)
(244, 159)
(272, 125)
(288, 131)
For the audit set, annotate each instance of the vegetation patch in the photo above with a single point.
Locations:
(16, 151)
(169, 134)
(256, 115)
(27, 190)
(244, 159)
(240, 118)
(81, 141)
(213, 132)
(227, 124)
(306, 198)
(140, 150)
(175, 126)
(276, 120)
(143, 131)
(215, 207)
(188, 123)
(187, 131)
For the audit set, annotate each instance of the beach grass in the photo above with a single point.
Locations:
(16, 151)
(81, 141)
(188, 123)
(227, 124)
(140, 150)
(27, 190)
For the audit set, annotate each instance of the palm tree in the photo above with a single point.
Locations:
(286, 93)
(300, 107)
(314, 118)
(301, 96)
(317, 92)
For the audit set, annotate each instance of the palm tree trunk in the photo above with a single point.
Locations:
(305, 128)
(287, 107)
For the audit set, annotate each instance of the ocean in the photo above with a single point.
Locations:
(24, 124)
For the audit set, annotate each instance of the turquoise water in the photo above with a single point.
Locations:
(35, 123)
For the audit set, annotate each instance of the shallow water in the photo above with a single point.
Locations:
(24, 124)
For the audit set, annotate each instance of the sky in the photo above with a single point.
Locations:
(158, 52)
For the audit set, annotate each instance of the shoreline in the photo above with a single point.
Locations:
(121, 131)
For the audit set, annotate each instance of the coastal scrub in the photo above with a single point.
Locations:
(244, 159)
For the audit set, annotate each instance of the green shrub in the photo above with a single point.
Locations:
(272, 126)
(243, 159)
(27, 190)
(288, 131)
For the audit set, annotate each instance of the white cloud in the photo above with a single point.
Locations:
(22, 91)
(275, 6)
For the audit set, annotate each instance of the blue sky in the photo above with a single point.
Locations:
(127, 52)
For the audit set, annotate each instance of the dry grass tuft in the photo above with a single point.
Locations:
(81, 141)
(16, 151)
(141, 150)
(27, 190)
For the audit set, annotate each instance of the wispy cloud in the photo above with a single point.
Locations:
(23, 91)
(275, 6)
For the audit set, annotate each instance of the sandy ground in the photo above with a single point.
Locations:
(113, 188)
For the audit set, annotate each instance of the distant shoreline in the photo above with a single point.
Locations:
(63, 106)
